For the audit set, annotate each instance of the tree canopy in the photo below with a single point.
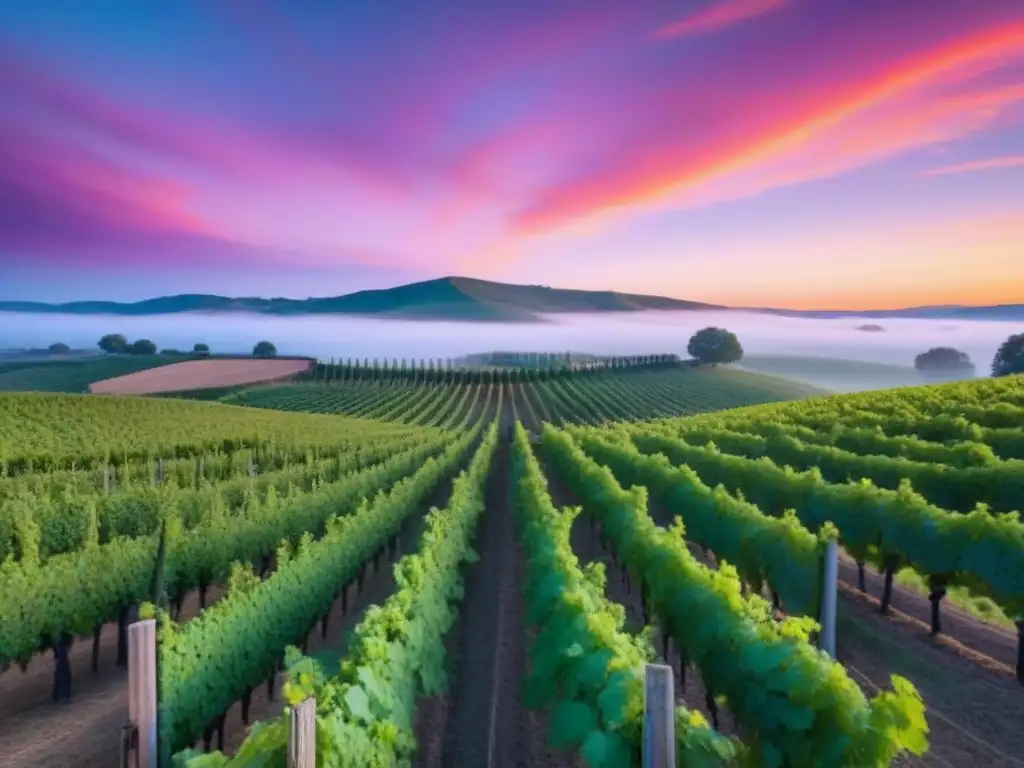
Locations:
(201, 349)
(142, 347)
(712, 346)
(59, 348)
(264, 349)
(1009, 358)
(113, 343)
(943, 360)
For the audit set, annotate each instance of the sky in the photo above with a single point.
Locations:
(786, 153)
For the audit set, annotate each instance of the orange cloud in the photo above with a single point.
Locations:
(1010, 161)
(723, 14)
(653, 179)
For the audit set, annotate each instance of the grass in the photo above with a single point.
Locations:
(979, 607)
(832, 373)
(73, 376)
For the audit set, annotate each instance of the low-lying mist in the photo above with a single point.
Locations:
(621, 333)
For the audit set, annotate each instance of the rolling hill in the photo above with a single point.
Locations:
(471, 300)
(447, 298)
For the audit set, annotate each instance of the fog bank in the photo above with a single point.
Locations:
(622, 333)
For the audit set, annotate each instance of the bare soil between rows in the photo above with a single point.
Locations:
(481, 721)
(38, 733)
(975, 717)
(988, 641)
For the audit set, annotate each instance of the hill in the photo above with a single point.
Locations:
(470, 300)
(835, 374)
(1004, 312)
(447, 298)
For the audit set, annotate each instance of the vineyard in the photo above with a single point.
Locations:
(437, 568)
(588, 397)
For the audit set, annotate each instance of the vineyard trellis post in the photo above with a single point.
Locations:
(142, 712)
(829, 588)
(659, 749)
(302, 735)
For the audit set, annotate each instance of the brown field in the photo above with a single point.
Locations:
(199, 374)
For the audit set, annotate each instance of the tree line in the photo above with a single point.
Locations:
(118, 344)
(938, 361)
(708, 346)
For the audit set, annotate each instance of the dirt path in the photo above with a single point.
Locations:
(481, 721)
(976, 717)
(84, 732)
(990, 640)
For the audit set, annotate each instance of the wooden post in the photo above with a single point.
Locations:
(142, 688)
(659, 718)
(827, 639)
(302, 735)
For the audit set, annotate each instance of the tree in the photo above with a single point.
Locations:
(711, 346)
(943, 361)
(201, 349)
(142, 347)
(59, 349)
(1010, 357)
(113, 344)
(264, 349)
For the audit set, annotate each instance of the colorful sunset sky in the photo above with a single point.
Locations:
(790, 153)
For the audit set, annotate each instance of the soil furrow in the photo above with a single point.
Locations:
(998, 643)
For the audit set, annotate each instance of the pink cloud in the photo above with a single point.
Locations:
(1009, 161)
(667, 166)
(722, 14)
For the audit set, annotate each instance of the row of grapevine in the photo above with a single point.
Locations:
(982, 412)
(574, 399)
(47, 432)
(70, 595)
(798, 706)
(366, 710)
(213, 660)
(860, 440)
(440, 406)
(993, 403)
(585, 669)
(508, 367)
(999, 484)
(777, 551)
(40, 527)
(982, 551)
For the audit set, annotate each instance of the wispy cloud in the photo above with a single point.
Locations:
(1009, 161)
(656, 173)
(465, 131)
(722, 14)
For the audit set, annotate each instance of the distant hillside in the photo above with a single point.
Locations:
(1010, 312)
(472, 300)
(834, 374)
(448, 298)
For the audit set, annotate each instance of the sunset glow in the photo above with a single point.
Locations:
(808, 154)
